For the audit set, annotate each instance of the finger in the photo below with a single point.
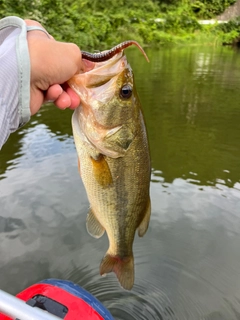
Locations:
(53, 92)
(75, 99)
(36, 99)
(63, 101)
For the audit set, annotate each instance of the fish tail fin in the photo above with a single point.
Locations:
(123, 268)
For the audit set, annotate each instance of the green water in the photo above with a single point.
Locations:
(188, 263)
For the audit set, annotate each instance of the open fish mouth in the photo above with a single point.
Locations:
(98, 84)
(108, 65)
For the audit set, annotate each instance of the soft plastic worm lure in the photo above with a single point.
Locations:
(105, 55)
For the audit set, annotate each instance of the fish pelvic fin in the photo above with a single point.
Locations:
(94, 227)
(122, 267)
(142, 229)
(101, 171)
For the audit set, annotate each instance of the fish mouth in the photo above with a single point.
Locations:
(96, 89)
(99, 83)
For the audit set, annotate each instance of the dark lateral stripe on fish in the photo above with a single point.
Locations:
(105, 55)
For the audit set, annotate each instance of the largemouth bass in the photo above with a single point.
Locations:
(114, 161)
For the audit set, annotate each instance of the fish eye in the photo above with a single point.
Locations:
(126, 91)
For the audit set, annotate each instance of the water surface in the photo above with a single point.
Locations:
(188, 264)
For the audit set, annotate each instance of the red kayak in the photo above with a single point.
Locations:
(52, 299)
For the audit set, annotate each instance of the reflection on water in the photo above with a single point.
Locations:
(188, 263)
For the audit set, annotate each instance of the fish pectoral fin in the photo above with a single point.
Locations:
(94, 227)
(101, 171)
(142, 229)
(123, 268)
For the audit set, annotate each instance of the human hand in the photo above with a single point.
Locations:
(52, 64)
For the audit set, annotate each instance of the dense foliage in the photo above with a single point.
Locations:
(97, 24)
(230, 32)
(210, 8)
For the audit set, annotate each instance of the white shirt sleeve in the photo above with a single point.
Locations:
(14, 76)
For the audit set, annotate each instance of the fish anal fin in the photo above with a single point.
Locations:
(142, 229)
(94, 227)
(122, 267)
(101, 171)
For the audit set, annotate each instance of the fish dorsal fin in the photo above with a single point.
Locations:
(94, 227)
(142, 229)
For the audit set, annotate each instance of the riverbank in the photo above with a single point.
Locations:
(96, 24)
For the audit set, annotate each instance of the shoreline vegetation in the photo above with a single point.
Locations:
(95, 25)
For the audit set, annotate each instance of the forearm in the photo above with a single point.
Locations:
(14, 76)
